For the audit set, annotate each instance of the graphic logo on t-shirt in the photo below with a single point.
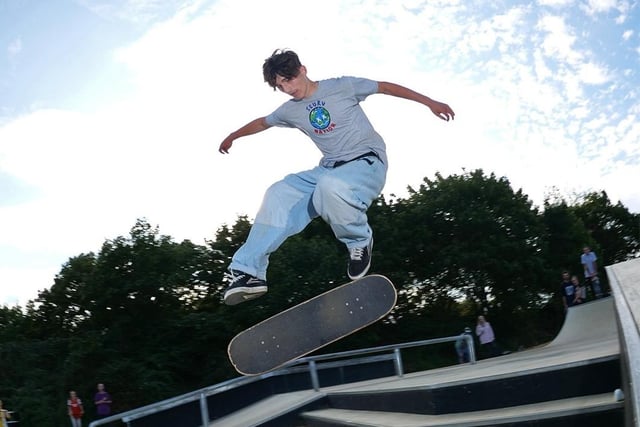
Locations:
(320, 118)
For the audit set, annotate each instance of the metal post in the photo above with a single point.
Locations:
(472, 350)
(398, 362)
(313, 371)
(204, 410)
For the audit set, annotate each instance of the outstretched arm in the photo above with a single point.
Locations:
(254, 126)
(440, 109)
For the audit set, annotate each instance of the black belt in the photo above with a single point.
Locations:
(344, 162)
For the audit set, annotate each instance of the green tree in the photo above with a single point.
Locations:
(565, 235)
(122, 317)
(467, 238)
(614, 231)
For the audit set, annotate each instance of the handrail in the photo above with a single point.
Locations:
(313, 368)
(172, 402)
(382, 348)
(311, 360)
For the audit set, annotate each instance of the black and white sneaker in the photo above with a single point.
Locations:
(359, 261)
(243, 287)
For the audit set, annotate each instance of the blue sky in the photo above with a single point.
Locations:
(113, 110)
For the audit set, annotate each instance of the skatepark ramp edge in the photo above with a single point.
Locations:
(624, 280)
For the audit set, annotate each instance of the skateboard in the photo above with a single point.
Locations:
(311, 325)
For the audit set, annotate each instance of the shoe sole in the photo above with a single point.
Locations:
(239, 295)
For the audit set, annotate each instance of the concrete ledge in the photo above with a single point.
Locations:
(624, 280)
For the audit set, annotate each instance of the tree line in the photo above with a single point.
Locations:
(144, 313)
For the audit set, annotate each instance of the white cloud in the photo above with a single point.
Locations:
(20, 285)
(136, 11)
(14, 48)
(600, 6)
(555, 3)
(543, 72)
(591, 73)
(559, 39)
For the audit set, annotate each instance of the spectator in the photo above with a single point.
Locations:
(462, 346)
(580, 291)
(588, 259)
(567, 290)
(102, 400)
(484, 331)
(76, 410)
(4, 416)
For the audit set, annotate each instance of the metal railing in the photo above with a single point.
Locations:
(310, 364)
(397, 357)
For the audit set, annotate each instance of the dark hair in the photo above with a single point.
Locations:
(281, 62)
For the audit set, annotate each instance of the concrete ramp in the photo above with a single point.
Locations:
(584, 322)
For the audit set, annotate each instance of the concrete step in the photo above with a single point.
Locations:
(587, 407)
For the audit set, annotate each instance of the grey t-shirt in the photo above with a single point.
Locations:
(333, 119)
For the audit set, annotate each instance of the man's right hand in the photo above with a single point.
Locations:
(226, 145)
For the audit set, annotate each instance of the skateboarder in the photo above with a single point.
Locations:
(351, 173)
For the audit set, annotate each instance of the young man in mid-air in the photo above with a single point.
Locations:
(350, 176)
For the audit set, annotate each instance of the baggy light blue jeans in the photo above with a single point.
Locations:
(340, 195)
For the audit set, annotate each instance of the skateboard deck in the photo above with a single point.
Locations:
(311, 325)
